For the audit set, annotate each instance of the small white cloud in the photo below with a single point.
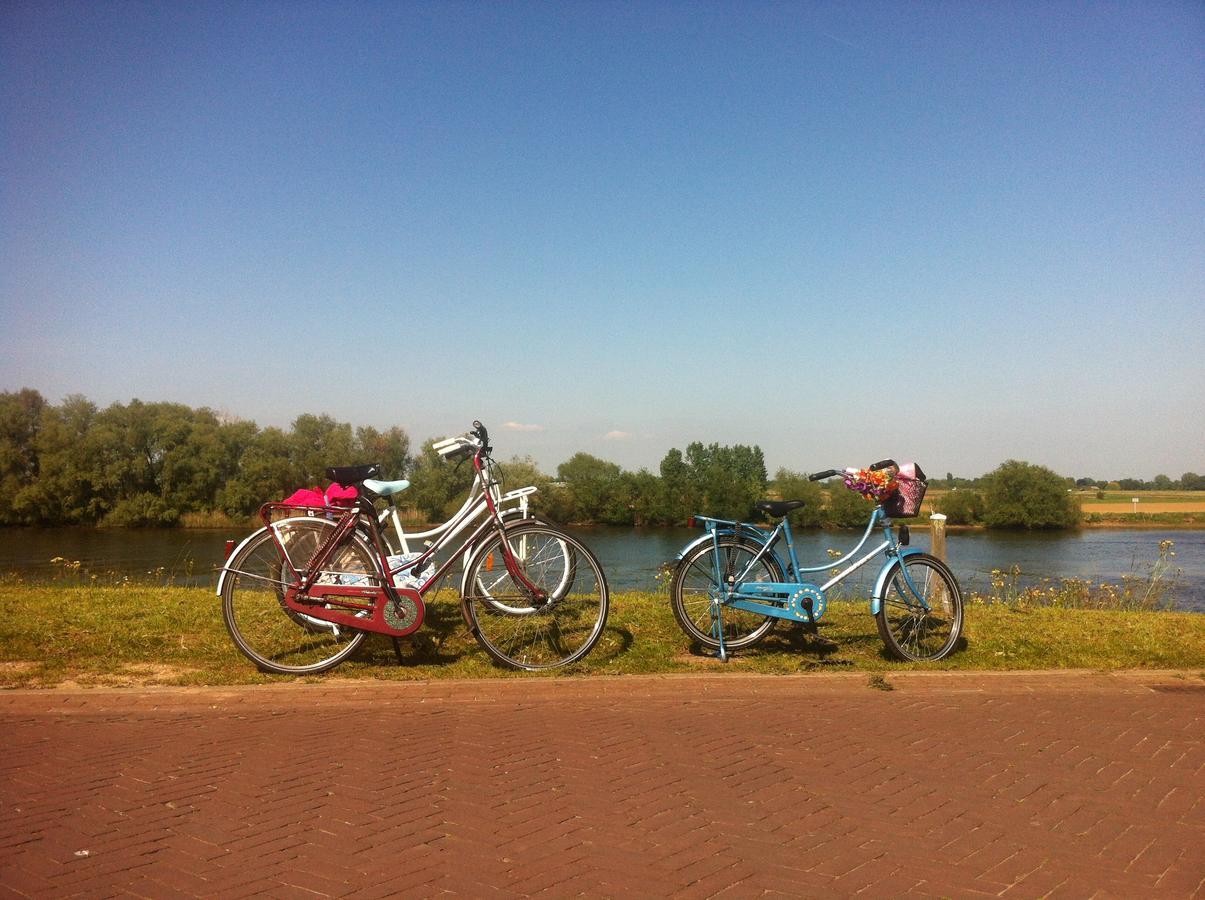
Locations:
(617, 435)
(519, 426)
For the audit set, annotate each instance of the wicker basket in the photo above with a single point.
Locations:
(910, 493)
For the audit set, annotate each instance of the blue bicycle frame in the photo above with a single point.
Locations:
(796, 599)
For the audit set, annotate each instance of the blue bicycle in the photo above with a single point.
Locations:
(732, 585)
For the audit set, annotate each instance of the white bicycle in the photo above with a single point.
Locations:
(513, 506)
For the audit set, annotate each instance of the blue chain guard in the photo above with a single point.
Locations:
(788, 597)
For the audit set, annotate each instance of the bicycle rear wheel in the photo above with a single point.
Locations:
(278, 639)
(695, 584)
(910, 631)
(555, 627)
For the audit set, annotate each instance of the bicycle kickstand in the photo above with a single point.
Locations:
(717, 627)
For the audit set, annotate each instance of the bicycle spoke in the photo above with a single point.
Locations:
(263, 627)
(555, 626)
(695, 584)
(921, 615)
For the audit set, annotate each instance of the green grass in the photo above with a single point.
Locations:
(112, 635)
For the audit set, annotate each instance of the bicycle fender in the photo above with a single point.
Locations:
(225, 569)
(233, 553)
(880, 585)
(755, 536)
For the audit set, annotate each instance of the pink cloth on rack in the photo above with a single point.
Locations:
(341, 496)
(305, 497)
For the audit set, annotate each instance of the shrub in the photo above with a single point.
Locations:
(961, 507)
(146, 510)
(846, 509)
(1021, 495)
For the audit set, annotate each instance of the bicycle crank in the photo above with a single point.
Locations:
(807, 604)
(400, 613)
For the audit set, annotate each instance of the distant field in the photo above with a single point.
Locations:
(1144, 496)
(1152, 502)
(1144, 506)
(1120, 503)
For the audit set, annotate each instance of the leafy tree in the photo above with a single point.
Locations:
(680, 497)
(438, 486)
(200, 457)
(1191, 481)
(1163, 483)
(1131, 484)
(262, 471)
(729, 480)
(62, 492)
(595, 487)
(844, 508)
(319, 441)
(1021, 495)
(20, 418)
(788, 485)
(391, 449)
(520, 471)
(648, 506)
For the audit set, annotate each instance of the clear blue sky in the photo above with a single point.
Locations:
(948, 232)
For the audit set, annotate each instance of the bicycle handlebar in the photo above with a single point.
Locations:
(464, 446)
(874, 467)
(482, 435)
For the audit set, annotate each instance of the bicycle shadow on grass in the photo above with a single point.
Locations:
(444, 640)
(614, 643)
(812, 648)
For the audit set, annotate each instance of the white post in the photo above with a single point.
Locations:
(1134, 500)
(937, 545)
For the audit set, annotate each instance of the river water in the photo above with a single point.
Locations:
(632, 557)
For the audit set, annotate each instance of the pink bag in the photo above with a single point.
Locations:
(334, 496)
(305, 497)
(341, 496)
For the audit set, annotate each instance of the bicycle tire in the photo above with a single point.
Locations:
(910, 632)
(520, 633)
(264, 629)
(694, 584)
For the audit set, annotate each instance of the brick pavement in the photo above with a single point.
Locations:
(724, 784)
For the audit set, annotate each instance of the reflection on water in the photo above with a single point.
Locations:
(632, 557)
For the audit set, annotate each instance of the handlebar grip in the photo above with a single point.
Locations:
(820, 476)
(882, 464)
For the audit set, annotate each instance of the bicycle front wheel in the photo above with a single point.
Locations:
(916, 631)
(556, 625)
(278, 639)
(695, 583)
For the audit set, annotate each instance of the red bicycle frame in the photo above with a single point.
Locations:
(347, 604)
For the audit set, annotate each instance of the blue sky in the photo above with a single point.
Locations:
(949, 232)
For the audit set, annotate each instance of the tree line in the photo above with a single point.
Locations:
(154, 464)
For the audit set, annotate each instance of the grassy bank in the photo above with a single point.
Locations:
(96, 636)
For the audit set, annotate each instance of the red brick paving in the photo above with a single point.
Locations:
(715, 785)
